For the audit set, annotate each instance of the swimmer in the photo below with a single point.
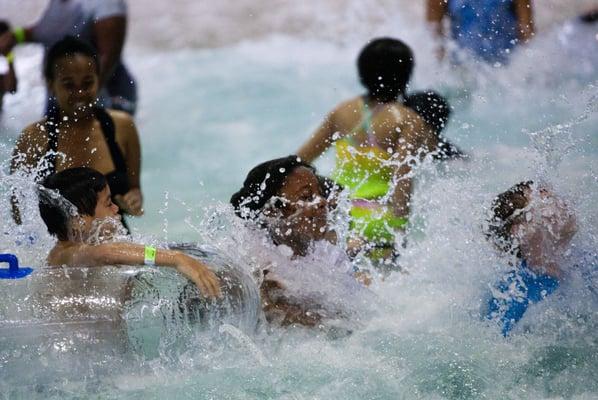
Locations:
(79, 133)
(375, 136)
(530, 223)
(284, 197)
(435, 110)
(8, 80)
(88, 192)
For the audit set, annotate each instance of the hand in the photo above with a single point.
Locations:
(7, 42)
(200, 274)
(131, 202)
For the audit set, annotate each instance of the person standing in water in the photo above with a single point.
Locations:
(100, 23)
(533, 225)
(488, 29)
(377, 138)
(79, 133)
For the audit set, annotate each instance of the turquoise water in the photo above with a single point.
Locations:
(208, 115)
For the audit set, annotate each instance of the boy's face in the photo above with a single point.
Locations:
(101, 224)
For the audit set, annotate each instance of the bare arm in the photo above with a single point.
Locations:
(109, 36)
(319, 141)
(525, 19)
(26, 154)
(8, 40)
(414, 137)
(133, 254)
(132, 201)
(10, 79)
(435, 12)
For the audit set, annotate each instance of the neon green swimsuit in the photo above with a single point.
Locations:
(366, 172)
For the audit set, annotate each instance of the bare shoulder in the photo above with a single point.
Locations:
(124, 125)
(121, 118)
(35, 132)
(58, 255)
(32, 143)
(351, 106)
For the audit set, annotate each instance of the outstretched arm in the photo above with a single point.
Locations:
(319, 141)
(109, 35)
(132, 201)
(134, 254)
(525, 19)
(435, 12)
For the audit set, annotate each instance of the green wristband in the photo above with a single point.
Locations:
(19, 34)
(149, 255)
(10, 57)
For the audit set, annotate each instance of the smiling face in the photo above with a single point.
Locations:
(301, 216)
(75, 84)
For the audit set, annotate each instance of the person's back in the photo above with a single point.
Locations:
(375, 135)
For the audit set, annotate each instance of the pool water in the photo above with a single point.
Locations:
(208, 115)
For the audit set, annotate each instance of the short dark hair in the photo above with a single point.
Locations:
(68, 46)
(4, 26)
(262, 183)
(80, 187)
(501, 221)
(432, 107)
(385, 66)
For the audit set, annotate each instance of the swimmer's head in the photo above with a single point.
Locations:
(4, 26)
(71, 70)
(88, 200)
(530, 219)
(385, 67)
(285, 196)
(432, 107)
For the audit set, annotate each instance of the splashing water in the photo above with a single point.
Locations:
(215, 114)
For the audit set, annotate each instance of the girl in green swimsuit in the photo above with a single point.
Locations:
(375, 136)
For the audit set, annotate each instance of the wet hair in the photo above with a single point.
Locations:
(67, 47)
(385, 66)
(80, 186)
(435, 110)
(262, 183)
(500, 222)
(4, 26)
(590, 17)
(432, 107)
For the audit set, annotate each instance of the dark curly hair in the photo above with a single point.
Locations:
(500, 222)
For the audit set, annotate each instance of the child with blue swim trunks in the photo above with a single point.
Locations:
(534, 226)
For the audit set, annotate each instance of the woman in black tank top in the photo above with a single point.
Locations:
(71, 71)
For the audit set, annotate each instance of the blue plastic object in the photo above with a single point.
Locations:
(13, 271)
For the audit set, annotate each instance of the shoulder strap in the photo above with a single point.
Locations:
(52, 120)
(109, 131)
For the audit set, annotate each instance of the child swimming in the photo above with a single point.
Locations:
(535, 226)
(377, 139)
(75, 203)
(284, 197)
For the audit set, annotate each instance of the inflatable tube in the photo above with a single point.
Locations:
(88, 315)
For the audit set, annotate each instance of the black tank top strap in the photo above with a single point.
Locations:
(109, 131)
(51, 127)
